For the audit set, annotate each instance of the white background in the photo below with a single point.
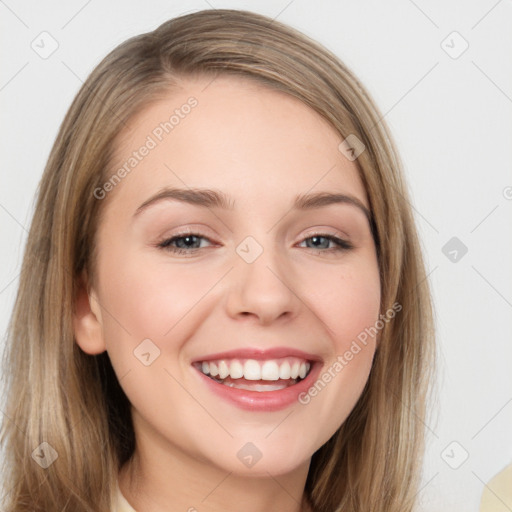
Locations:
(451, 118)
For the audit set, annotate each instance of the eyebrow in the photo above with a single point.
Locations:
(209, 198)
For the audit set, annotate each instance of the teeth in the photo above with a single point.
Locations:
(285, 370)
(236, 370)
(294, 373)
(252, 370)
(223, 370)
(256, 370)
(270, 371)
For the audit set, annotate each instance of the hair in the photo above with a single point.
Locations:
(58, 394)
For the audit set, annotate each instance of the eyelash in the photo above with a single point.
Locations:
(341, 245)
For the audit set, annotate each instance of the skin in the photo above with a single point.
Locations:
(262, 148)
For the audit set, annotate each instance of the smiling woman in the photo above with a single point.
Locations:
(241, 316)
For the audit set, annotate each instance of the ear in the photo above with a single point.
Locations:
(87, 321)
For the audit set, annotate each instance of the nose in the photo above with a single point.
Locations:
(264, 290)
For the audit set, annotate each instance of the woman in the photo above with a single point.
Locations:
(257, 370)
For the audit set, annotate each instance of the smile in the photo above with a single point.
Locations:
(259, 380)
(257, 375)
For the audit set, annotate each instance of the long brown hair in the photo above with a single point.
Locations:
(57, 394)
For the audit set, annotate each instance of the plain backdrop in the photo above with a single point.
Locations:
(441, 72)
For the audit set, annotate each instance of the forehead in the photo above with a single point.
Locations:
(236, 135)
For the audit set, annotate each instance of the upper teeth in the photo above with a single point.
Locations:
(252, 369)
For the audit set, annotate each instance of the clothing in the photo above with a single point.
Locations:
(122, 504)
(497, 495)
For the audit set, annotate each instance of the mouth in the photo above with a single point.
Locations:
(256, 375)
(259, 380)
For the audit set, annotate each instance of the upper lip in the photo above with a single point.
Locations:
(259, 354)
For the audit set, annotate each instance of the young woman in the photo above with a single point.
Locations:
(223, 303)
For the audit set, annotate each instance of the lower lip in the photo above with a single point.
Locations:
(265, 400)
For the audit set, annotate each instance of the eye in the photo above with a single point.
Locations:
(321, 242)
(188, 243)
(183, 243)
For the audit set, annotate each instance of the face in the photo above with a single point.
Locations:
(228, 299)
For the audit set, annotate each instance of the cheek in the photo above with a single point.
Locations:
(148, 301)
(348, 305)
(347, 300)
